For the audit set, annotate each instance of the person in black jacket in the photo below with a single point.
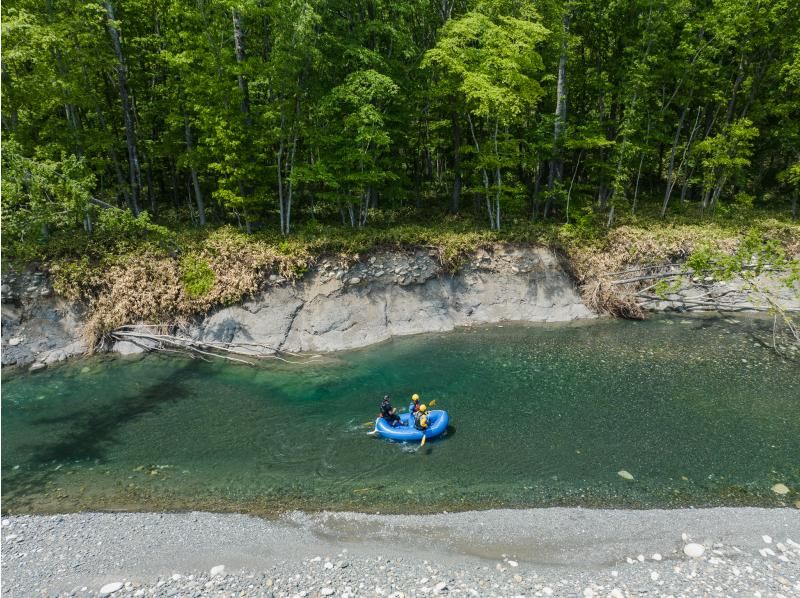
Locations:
(388, 412)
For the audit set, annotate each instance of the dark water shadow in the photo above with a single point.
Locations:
(92, 432)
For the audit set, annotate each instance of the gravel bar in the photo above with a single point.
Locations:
(537, 552)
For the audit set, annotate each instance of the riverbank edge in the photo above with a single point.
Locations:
(340, 304)
(539, 552)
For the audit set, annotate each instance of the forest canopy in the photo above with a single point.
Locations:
(267, 114)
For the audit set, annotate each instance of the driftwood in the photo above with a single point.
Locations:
(154, 337)
(631, 291)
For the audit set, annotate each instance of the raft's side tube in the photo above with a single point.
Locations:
(406, 432)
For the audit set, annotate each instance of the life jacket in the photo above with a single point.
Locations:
(421, 420)
(386, 410)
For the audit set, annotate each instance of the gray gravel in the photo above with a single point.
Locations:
(542, 552)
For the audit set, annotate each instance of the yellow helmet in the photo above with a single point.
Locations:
(422, 408)
(415, 397)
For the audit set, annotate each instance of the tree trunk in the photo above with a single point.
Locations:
(238, 44)
(794, 206)
(148, 171)
(556, 164)
(498, 179)
(483, 171)
(198, 193)
(572, 182)
(670, 182)
(115, 159)
(127, 111)
(455, 203)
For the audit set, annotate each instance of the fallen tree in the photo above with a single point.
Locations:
(160, 338)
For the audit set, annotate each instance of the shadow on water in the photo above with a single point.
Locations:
(91, 432)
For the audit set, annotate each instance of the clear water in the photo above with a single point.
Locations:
(699, 410)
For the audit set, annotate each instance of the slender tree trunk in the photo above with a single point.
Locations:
(148, 171)
(794, 206)
(127, 111)
(636, 189)
(198, 192)
(557, 163)
(537, 183)
(498, 179)
(115, 159)
(686, 181)
(279, 163)
(572, 182)
(455, 204)
(670, 182)
(238, 44)
(288, 211)
(483, 171)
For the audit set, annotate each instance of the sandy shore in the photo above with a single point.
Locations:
(562, 552)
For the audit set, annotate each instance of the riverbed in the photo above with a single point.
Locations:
(669, 412)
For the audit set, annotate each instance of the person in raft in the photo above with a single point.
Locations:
(388, 412)
(421, 418)
(413, 407)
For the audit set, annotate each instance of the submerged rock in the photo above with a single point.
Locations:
(780, 489)
(624, 475)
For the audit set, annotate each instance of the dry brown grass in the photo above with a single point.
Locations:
(148, 287)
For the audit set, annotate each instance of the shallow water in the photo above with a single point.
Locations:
(699, 410)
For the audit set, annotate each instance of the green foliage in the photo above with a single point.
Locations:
(363, 113)
(197, 276)
(754, 254)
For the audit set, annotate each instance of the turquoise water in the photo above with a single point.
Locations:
(700, 411)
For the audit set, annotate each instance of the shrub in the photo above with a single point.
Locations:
(197, 276)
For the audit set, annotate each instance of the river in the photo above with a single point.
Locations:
(700, 411)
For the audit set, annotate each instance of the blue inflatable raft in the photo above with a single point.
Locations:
(403, 432)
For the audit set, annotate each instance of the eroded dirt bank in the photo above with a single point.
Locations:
(338, 305)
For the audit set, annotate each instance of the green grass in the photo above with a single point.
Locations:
(196, 275)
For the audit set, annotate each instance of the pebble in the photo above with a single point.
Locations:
(767, 539)
(218, 570)
(694, 550)
(780, 489)
(624, 474)
(393, 570)
(110, 588)
(513, 564)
